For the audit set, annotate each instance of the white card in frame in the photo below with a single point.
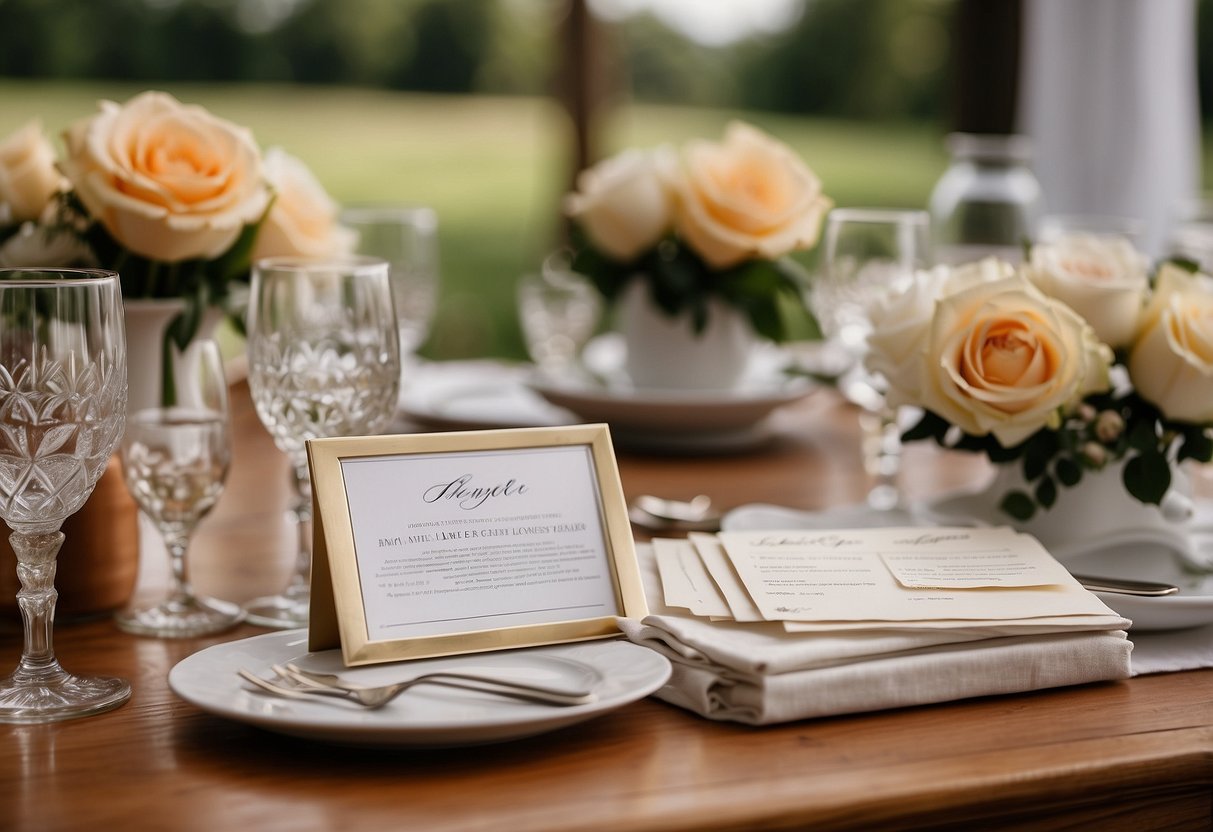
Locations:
(461, 542)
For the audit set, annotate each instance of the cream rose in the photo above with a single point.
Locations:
(303, 219)
(169, 181)
(1002, 358)
(901, 323)
(1104, 279)
(1171, 363)
(748, 196)
(624, 203)
(28, 178)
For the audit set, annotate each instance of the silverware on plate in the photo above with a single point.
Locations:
(304, 684)
(660, 514)
(1126, 586)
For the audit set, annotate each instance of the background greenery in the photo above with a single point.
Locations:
(449, 102)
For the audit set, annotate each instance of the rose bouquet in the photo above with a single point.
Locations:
(1075, 360)
(713, 219)
(176, 200)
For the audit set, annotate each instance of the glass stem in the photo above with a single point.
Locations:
(882, 456)
(36, 570)
(177, 541)
(301, 514)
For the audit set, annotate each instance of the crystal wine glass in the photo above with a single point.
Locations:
(558, 310)
(175, 461)
(323, 361)
(62, 408)
(869, 253)
(407, 237)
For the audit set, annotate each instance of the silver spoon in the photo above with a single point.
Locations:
(659, 513)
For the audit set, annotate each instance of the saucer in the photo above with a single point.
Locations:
(673, 420)
(475, 395)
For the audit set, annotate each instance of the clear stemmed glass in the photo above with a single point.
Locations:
(407, 237)
(175, 461)
(62, 408)
(558, 310)
(324, 361)
(868, 253)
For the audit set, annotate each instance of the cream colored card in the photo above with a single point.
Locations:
(1024, 564)
(841, 575)
(685, 580)
(1008, 626)
(721, 569)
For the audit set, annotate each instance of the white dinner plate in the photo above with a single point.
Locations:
(476, 395)
(674, 420)
(1140, 559)
(617, 671)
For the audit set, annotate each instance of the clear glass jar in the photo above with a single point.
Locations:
(988, 200)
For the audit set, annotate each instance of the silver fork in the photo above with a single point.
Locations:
(376, 697)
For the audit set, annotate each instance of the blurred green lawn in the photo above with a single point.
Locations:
(495, 169)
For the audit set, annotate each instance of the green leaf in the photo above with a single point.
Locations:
(1142, 436)
(1018, 505)
(1039, 451)
(1147, 477)
(1046, 492)
(1196, 445)
(1068, 472)
(929, 426)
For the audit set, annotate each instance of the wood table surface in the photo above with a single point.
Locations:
(1126, 755)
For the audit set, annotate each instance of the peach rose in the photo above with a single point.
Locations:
(302, 221)
(1103, 279)
(901, 323)
(168, 181)
(1002, 358)
(1171, 362)
(624, 203)
(28, 178)
(746, 197)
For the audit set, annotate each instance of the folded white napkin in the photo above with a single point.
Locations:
(761, 674)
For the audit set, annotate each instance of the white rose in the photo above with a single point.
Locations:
(28, 178)
(302, 221)
(746, 197)
(624, 203)
(1171, 363)
(901, 323)
(1002, 358)
(1104, 279)
(169, 182)
(35, 246)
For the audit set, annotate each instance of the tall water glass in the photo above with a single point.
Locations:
(869, 252)
(324, 360)
(62, 408)
(558, 310)
(407, 237)
(175, 461)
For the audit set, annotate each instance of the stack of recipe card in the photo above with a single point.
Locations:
(771, 626)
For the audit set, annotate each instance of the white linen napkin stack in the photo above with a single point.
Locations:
(759, 673)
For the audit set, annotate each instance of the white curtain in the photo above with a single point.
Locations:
(1109, 98)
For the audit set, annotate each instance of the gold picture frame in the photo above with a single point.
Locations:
(461, 542)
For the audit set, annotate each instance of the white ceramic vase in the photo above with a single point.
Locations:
(146, 321)
(665, 353)
(1097, 513)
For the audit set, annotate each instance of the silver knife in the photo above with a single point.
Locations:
(1126, 586)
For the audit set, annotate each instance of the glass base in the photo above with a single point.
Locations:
(180, 618)
(280, 612)
(55, 695)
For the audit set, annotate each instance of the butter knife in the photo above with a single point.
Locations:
(1126, 586)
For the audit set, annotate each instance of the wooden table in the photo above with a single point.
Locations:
(1129, 755)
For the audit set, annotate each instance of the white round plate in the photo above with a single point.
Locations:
(1134, 558)
(674, 420)
(618, 672)
(475, 395)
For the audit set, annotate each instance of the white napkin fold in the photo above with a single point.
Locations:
(761, 674)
